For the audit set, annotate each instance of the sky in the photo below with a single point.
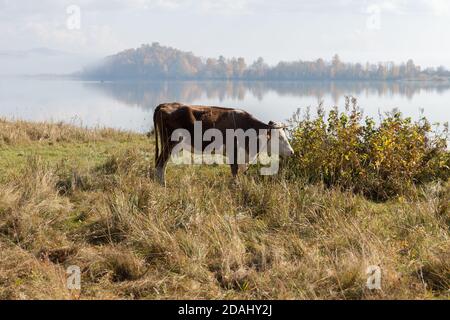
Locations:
(282, 30)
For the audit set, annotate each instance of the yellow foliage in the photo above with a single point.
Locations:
(381, 161)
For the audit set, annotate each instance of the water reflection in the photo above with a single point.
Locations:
(149, 94)
(129, 105)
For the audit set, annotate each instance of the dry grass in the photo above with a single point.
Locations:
(203, 236)
(22, 132)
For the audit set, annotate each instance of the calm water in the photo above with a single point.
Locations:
(129, 105)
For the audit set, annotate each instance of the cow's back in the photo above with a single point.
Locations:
(176, 115)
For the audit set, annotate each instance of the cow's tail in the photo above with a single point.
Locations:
(156, 129)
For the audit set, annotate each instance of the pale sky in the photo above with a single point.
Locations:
(359, 31)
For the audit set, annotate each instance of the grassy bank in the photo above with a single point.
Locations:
(70, 196)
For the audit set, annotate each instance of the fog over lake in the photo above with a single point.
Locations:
(130, 105)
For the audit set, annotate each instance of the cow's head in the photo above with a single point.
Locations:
(285, 149)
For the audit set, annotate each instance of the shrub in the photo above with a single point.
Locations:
(379, 160)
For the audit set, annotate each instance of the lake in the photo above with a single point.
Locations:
(130, 105)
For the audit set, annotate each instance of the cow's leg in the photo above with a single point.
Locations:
(234, 170)
(236, 167)
(161, 165)
(160, 170)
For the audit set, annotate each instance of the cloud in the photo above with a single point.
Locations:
(275, 27)
(405, 7)
(49, 7)
(99, 38)
(194, 6)
(439, 7)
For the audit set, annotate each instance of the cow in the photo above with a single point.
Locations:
(169, 117)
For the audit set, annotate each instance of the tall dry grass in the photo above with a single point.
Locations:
(205, 236)
(22, 132)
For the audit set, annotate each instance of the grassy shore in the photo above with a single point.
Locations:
(71, 196)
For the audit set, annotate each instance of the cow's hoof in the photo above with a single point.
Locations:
(161, 182)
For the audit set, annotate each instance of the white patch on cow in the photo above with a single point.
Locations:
(284, 147)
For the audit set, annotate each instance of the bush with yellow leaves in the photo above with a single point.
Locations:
(381, 160)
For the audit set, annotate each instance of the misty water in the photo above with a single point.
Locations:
(130, 105)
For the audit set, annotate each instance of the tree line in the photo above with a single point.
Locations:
(160, 62)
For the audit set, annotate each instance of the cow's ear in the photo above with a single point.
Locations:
(271, 124)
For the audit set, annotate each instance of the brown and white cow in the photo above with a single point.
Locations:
(170, 117)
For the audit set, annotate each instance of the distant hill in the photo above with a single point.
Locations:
(160, 62)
